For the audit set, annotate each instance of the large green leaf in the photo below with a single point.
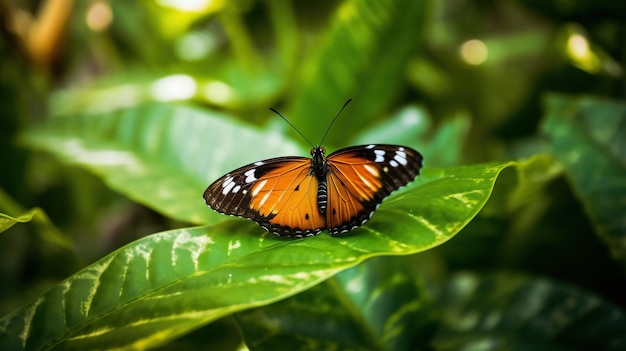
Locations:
(510, 312)
(163, 156)
(167, 284)
(588, 136)
(376, 305)
(362, 56)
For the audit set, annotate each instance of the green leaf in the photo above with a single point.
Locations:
(588, 136)
(505, 311)
(7, 221)
(499, 234)
(376, 305)
(362, 56)
(45, 227)
(412, 126)
(522, 186)
(166, 284)
(163, 156)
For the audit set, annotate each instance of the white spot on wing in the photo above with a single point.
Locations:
(380, 155)
(393, 163)
(227, 181)
(370, 146)
(228, 185)
(236, 189)
(250, 175)
(400, 157)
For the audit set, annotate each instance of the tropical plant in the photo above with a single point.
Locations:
(117, 115)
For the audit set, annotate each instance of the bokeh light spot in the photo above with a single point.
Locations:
(195, 46)
(99, 16)
(186, 5)
(474, 52)
(174, 87)
(218, 92)
(580, 53)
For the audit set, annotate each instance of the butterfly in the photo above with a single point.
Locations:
(298, 197)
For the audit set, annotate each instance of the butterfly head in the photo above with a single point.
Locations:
(318, 150)
(318, 165)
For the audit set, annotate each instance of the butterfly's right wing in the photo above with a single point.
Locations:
(279, 194)
(359, 179)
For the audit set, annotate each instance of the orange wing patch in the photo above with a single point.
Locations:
(352, 187)
(362, 178)
(287, 199)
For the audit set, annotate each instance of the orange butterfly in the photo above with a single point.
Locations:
(299, 196)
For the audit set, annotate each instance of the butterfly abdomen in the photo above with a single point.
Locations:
(322, 196)
(319, 169)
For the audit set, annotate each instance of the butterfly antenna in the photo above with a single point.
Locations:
(294, 127)
(333, 121)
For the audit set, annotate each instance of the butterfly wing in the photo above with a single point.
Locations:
(279, 194)
(360, 177)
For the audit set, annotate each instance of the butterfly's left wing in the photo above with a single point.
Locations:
(279, 194)
(360, 177)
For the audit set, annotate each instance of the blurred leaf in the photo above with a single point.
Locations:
(522, 186)
(163, 156)
(409, 126)
(518, 202)
(588, 136)
(508, 312)
(45, 227)
(575, 10)
(362, 56)
(7, 221)
(413, 126)
(375, 305)
(222, 335)
(447, 145)
(226, 85)
(164, 285)
(175, 18)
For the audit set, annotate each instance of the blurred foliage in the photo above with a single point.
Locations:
(115, 116)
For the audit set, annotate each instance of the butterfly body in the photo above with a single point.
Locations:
(319, 168)
(299, 196)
